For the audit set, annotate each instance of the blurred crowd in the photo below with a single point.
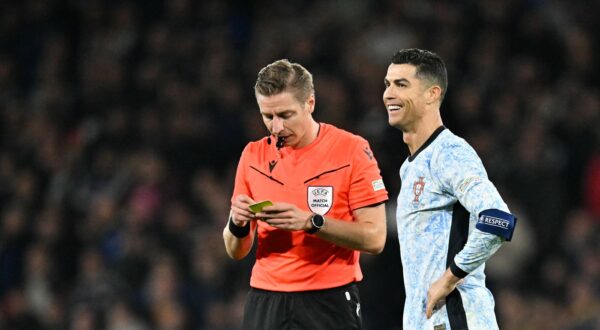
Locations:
(121, 123)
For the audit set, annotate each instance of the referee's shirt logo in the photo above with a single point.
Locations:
(320, 199)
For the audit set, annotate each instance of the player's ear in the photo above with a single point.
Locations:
(433, 94)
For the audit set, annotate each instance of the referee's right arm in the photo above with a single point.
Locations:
(238, 234)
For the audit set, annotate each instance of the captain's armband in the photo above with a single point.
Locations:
(497, 222)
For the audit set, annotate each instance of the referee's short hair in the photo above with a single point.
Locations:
(282, 76)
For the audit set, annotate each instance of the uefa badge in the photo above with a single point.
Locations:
(320, 199)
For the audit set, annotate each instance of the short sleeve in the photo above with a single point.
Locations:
(241, 183)
(366, 185)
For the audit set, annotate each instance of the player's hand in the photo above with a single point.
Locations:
(240, 212)
(286, 216)
(439, 290)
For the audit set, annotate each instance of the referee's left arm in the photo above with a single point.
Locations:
(366, 233)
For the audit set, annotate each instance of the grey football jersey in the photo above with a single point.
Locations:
(444, 188)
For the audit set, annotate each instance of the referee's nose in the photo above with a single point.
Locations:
(277, 125)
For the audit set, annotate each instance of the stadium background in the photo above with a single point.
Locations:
(122, 122)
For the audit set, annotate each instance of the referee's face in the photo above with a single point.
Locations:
(403, 97)
(285, 116)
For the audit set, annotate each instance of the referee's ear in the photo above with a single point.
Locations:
(311, 103)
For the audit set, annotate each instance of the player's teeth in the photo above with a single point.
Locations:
(394, 107)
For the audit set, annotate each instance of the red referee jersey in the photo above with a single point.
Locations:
(332, 176)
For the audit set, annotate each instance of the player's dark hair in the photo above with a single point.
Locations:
(281, 76)
(430, 66)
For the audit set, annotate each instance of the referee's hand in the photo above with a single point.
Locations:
(240, 211)
(439, 290)
(286, 216)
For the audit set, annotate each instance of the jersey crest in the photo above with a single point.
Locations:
(418, 188)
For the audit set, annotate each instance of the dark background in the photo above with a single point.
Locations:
(121, 123)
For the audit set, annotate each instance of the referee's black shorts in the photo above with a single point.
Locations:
(336, 308)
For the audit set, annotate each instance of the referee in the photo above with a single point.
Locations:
(327, 199)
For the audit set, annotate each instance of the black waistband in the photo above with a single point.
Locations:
(308, 292)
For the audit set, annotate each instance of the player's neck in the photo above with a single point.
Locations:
(416, 137)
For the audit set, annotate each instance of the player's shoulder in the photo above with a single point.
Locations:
(449, 146)
(449, 143)
(447, 138)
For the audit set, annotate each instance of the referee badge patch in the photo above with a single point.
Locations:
(320, 199)
(378, 185)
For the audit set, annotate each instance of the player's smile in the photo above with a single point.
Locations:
(398, 110)
(395, 107)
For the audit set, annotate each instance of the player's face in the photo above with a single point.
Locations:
(404, 97)
(287, 117)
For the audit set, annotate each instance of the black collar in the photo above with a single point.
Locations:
(427, 143)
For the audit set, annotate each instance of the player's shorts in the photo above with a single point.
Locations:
(336, 308)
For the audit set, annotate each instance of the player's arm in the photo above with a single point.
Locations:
(495, 224)
(483, 241)
(480, 246)
(239, 232)
(366, 233)
(462, 173)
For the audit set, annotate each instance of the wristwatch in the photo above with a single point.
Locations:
(317, 222)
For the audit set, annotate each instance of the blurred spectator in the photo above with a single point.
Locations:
(518, 253)
(14, 239)
(96, 290)
(38, 280)
(591, 189)
(16, 312)
(121, 317)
